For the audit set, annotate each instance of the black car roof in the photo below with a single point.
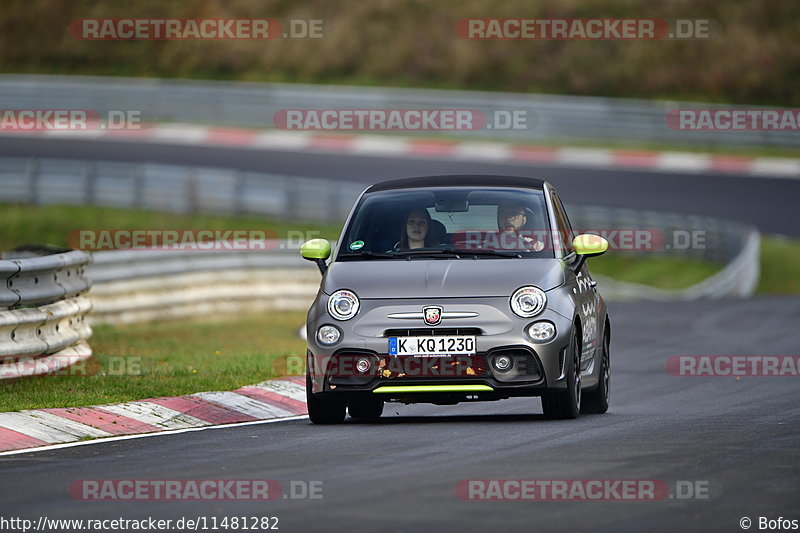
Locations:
(457, 181)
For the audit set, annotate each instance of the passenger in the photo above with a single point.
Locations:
(511, 218)
(416, 231)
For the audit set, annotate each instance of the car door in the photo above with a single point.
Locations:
(584, 288)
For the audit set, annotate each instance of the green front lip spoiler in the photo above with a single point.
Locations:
(390, 389)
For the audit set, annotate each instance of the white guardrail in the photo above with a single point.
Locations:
(42, 311)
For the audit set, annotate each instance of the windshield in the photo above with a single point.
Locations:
(449, 222)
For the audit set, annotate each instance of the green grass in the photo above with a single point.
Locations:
(25, 224)
(168, 359)
(780, 266)
(661, 272)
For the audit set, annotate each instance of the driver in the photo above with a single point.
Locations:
(511, 218)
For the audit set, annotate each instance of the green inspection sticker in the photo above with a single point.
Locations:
(356, 245)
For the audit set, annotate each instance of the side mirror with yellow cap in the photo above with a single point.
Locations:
(317, 250)
(588, 245)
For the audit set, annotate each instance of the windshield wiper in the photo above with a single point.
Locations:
(496, 253)
(422, 251)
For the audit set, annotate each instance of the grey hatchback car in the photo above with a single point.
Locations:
(447, 289)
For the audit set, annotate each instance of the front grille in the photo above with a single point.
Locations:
(423, 332)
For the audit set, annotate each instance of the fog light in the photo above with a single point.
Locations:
(503, 363)
(542, 331)
(362, 365)
(328, 335)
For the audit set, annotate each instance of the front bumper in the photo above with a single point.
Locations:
(537, 367)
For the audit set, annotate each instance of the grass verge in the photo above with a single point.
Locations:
(167, 359)
(670, 273)
(780, 266)
(24, 224)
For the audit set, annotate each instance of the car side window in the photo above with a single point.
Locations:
(565, 233)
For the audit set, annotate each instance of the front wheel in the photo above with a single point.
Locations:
(596, 402)
(322, 410)
(566, 404)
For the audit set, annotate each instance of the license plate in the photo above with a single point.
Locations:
(442, 345)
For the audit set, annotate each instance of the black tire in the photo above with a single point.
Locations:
(365, 408)
(322, 410)
(596, 401)
(566, 404)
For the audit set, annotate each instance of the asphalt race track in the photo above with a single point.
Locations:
(770, 204)
(738, 437)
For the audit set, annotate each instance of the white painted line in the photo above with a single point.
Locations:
(155, 415)
(244, 404)
(683, 162)
(776, 167)
(288, 140)
(483, 151)
(48, 427)
(182, 133)
(584, 157)
(287, 388)
(146, 435)
(375, 144)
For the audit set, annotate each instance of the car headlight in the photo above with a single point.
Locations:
(328, 335)
(542, 331)
(528, 301)
(343, 305)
